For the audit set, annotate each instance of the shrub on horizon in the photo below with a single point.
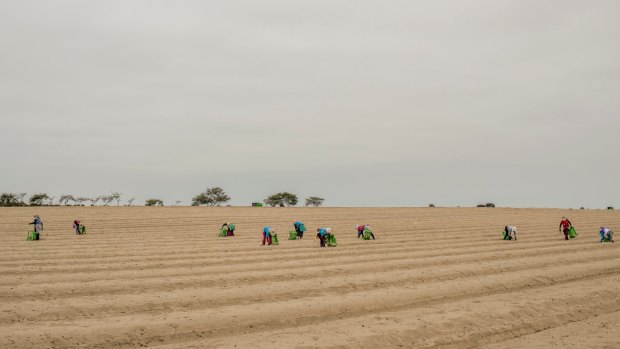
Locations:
(153, 202)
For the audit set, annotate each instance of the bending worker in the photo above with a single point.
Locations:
(267, 235)
(510, 232)
(607, 235)
(300, 228)
(323, 234)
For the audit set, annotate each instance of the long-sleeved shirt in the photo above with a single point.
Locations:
(566, 224)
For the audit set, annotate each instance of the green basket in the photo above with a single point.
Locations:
(275, 240)
(223, 232)
(292, 235)
(367, 233)
(572, 233)
(32, 236)
(331, 240)
(506, 235)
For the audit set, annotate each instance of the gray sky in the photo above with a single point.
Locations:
(387, 103)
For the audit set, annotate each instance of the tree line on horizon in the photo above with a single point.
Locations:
(214, 196)
(43, 199)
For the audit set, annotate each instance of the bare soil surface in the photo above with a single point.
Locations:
(434, 278)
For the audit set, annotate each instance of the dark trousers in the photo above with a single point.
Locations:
(566, 230)
(267, 239)
(322, 239)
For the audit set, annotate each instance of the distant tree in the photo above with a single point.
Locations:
(65, 199)
(290, 199)
(281, 199)
(610, 207)
(154, 202)
(314, 201)
(38, 199)
(10, 200)
(177, 203)
(20, 197)
(50, 201)
(80, 201)
(211, 197)
(201, 199)
(431, 205)
(116, 196)
(106, 199)
(489, 204)
(130, 201)
(481, 205)
(275, 200)
(218, 195)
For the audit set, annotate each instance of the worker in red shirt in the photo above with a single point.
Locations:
(565, 225)
(360, 230)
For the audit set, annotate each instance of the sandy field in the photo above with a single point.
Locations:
(434, 278)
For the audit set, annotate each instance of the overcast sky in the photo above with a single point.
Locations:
(386, 103)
